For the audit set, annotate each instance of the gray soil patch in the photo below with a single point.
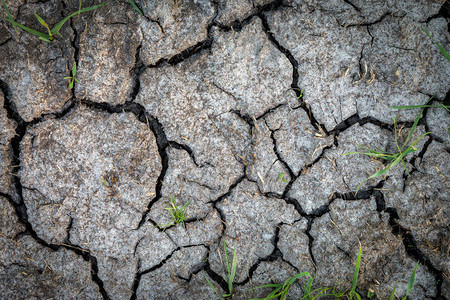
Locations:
(242, 111)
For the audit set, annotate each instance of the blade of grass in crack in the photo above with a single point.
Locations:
(9, 14)
(57, 27)
(136, 8)
(411, 282)
(43, 23)
(231, 272)
(440, 47)
(355, 276)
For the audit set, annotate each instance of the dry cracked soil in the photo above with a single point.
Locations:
(245, 109)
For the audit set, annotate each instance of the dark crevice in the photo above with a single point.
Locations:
(413, 250)
(216, 277)
(444, 12)
(295, 75)
(76, 54)
(352, 120)
(137, 278)
(6, 41)
(69, 227)
(276, 254)
(278, 155)
(352, 5)
(238, 25)
(379, 20)
(187, 53)
(136, 72)
(310, 240)
(270, 110)
(186, 148)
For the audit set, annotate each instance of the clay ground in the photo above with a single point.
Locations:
(245, 109)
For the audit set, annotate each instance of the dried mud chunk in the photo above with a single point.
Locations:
(338, 173)
(114, 163)
(267, 170)
(173, 26)
(34, 69)
(383, 261)
(308, 143)
(107, 55)
(423, 206)
(86, 180)
(237, 10)
(30, 270)
(170, 280)
(438, 120)
(294, 244)
(197, 100)
(407, 65)
(251, 226)
(364, 71)
(358, 12)
(328, 56)
(7, 132)
(247, 66)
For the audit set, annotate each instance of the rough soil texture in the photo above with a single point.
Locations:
(245, 109)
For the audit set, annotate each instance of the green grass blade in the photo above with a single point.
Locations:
(57, 27)
(74, 69)
(233, 272)
(41, 35)
(419, 106)
(393, 292)
(411, 282)
(420, 137)
(413, 128)
(355, 275)
(79, 8)
(43, 23)
(9, 14)
(136, 8)
(440, 47)
(184, 206)
(214, 289)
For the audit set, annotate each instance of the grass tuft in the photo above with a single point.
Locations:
(72, 78)
(178, 213)
(231, 272)
(396, 157)
(280, 290)
(48, 37)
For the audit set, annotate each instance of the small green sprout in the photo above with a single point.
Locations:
(231, 271)
(393, 158)
(353, 292)
(48, 37)
(72, 78)
(178, 214)
(280, 178)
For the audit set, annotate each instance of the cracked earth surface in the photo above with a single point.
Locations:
(209, 102)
